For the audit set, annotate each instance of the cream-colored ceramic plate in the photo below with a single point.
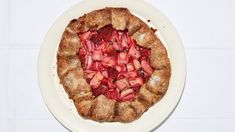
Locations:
(64, 110)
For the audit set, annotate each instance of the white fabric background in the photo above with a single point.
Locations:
(207, 30)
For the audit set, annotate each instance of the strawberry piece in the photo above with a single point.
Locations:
(112, 72)
(126, 92)
(100, 90)
(129, 97)
(136, 81)
(147, 68)
(106, 32)
(136, 64)
(130, 67)
(112, 94)
(145, 52)
(97, 55)
(96, 80)
(85, 36)
(122, 58)
(133, 52)
(96, 38)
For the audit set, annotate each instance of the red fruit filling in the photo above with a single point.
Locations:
(114, 65)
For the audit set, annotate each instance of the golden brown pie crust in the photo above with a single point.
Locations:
(70, 72)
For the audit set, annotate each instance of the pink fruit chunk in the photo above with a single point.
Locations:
(147, 68)
(95, 82)
(90, 46)
(88, 61)
(124, 43)
(89, 74)
(129, 97)
(108, 61)
(130, 67)
(97, 55)
(133, 52)
(85, 36)
(105, 74)
(102, 46)
(122, 58)
(112, 94)
(135, 81)
(126, 92)
(120, 85)
(136, 64)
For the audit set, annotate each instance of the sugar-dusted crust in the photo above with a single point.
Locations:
(70, 72)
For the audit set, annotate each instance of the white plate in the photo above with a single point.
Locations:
(64, 110)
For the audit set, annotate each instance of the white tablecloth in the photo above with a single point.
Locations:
(207, 30)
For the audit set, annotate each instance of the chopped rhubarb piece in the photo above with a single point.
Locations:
(85, 36)
(105, 74)
(147, 68)
(90, 46)
(120, 85)
(135, 81)
(129, 97)
(96, 66)
(110, 83)
(123, 68)
(88, 61)
(124, 43)
(95, 82)
(112, 94)
(112, 72)
(126, 92)
(118, 68)
(102, 46)
(133, 52)
(108, 61)
(130, 74)
(130, 67)
(116, 46)
(110, 50)
(122, 58)
(136, 64)
(97, 55)
(89, 74)
(136, 87)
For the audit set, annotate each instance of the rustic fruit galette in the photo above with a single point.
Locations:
(112, 65)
